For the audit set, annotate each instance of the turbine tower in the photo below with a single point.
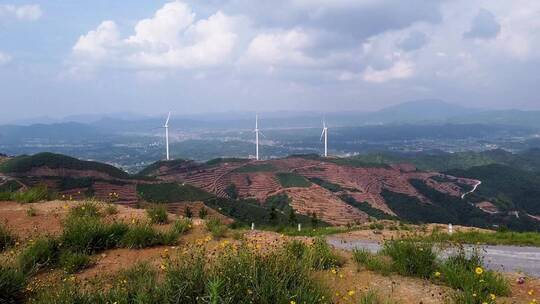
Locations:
(325, 134)
(256, 136)
(166, 126)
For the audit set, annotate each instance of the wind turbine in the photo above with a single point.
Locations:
(325, 134)
(257, 136)
(166, 126)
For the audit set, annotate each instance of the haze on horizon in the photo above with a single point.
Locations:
(60, 58)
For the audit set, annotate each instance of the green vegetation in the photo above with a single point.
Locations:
(12, 284)
(182, 226)
(216, 228)
(487, 238)
(463, 272)
(170, 193)
(356, 162)
(26, 163)
(371, 297)
(157, 214)
(241, 276)
(203, 212)
(10, 186)
(87, 208)
(152, 168)
(111, 209)
(289, 180)
(7, 239)
(91, 234)
(32, 195)
(231, 191)
(327, 185)
(319, 254)
(31, 211)
(72, 262)
(252, 168)
(142, 236)
(68, 183)
(366, 207)
(43, 252)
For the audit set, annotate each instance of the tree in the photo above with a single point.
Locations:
(231, 191)
(273, 215)
(187, 212)
(292, 216)
(203, 213)
(314, 220)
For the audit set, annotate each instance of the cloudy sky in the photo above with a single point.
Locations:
(67, 57)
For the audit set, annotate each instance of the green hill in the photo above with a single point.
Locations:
(26, 163)
(152, 168)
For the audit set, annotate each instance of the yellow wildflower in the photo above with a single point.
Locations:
(351, 293)
(293, 302)
(437, 274)
(492, 296)
(479, 270)
(531, 292)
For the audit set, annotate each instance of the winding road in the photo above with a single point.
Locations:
(500, 258)
(478, 183)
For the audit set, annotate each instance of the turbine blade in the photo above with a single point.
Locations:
(168, 117)
(322, 134)
(261, 133)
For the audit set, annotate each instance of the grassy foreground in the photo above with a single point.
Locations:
(487, 238)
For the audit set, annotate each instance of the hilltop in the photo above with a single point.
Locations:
(299, 188)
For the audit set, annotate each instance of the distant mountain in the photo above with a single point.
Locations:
(71, 132)
(504, 117)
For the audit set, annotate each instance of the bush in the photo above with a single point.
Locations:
(90, 234)
(12, 283)
(216, 228)
(182, 226)
(187, 212)
(32, 195)
(318, 255)
(90, 209)
(41, 253)
(6, 238)
(203, 212)
(289, 180)
(157, 214)
(411, 258)
(465, 273)
(141, 236)
(111, 209)
(73, 262)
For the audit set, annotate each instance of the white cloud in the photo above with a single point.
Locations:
(170, 39)
(399, 70)
(4, 58)
(23, 12)
(285, 47)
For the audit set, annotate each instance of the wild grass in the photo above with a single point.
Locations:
(88, 209)
(91, 234)
(216, 228)
(411, 258)
(182, 226)
(489, 238)
(460, 271)
(241, 276)
(31, 211)
(32, 195)
(12, 284)
(43, 252)
(7, 239)
(72, 262)
(111, 209)
(141, 236)
(157, 214)
(372, 297)
(318, 255)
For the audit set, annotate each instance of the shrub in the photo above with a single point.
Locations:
(203, 212)
(216, 228)
(371, 297)
(90, 234)
(372, 261)
(318, 255)
(157, 214)
(73, 262)
(141, 236)
(32, 195)
(411, 258)
(6, 238)
(187, 212)
(31, 211)
(12, 283)
(289, 180)
(465, 273)
(41, 253)
(182, 226)
(90, 209)
(111, 209)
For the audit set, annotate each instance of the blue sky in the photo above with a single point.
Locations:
(60, 58)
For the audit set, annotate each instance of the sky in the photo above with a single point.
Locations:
(60, 58)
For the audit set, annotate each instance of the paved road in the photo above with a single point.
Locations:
(500, 258)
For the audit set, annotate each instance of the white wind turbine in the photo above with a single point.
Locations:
(257, 133)
(166, 126)
(325, 134)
